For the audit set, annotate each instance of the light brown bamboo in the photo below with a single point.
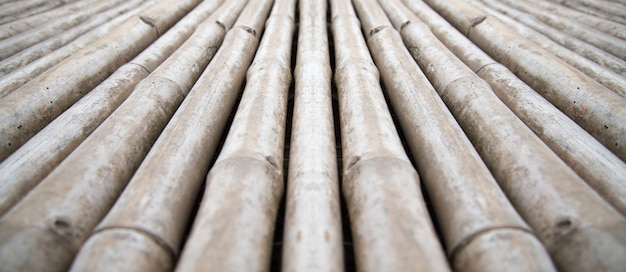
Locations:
(391, 228)
(470, 206)
(38, 50)
(608, 43)
(607, 26)
(313, 238)
(21, 25)
(157, 203)
(23, 170)
(599, 111)
(26, 111)
(36, 9)
(74, 197)
(610, 80)
(27, 73)
(19, 42)
(579, 229)
(233, 230)
(16, 8)
(602, 170)
(603, 9)
(584, 49)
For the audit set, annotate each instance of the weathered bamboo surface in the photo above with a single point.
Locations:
(313, 135)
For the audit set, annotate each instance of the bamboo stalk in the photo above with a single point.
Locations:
(599, 111)
(602, 170)
(21, 25)
(79, 192)
(578, 228)
(468, 203)
(610, 80)
(17, 8)
(12, 16)
(603, 9)
(41, 154)
(390, 225)
(27, 73)
(584, 49)
(38, 50)
(607, 26)
(608, 43)
(25, 112)
(149, 219)
(19, 42)
(235, 222)
(313, 238)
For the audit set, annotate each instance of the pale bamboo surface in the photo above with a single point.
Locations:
(312, 135)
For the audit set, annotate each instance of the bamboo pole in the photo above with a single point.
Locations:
(313, 238)
(599, 111)
(74, 197)
(34, 10)
(608, 43)
(38, 50)
(390, 224)
(16, 8)
(471, 209)
(19, 42)
(578, 228)
(584, 49)
(610, 80)
(235, 222)
(27, 73)
(602, 9)
(26, 111)
(157, 203)
(25, 168)
(21, 25)
(602, 170)
(607, 26)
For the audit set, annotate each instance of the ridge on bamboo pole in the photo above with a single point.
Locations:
(26, 111)
(481, 229)
(602, 170)
(47, 227)
(28, 165)
(602, 75)
(599, 111)
(235, 222)
(571, 220)
(312, 231)
(9, 83)
(390, 224)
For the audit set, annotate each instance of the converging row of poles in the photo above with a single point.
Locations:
(160, 135)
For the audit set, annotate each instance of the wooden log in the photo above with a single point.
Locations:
(391, 227)
(571, 220)
(25, 112)
(233, 230)
(466, 198)
(19, 42)
(313, 237)
(25, 168)
(74, 197)
(600, 168)
(599, 111)
(608, 43)
(43, 48)
(21, 25)
(610, 80)
(27, 73)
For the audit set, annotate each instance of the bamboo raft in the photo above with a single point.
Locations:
(313, 135)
